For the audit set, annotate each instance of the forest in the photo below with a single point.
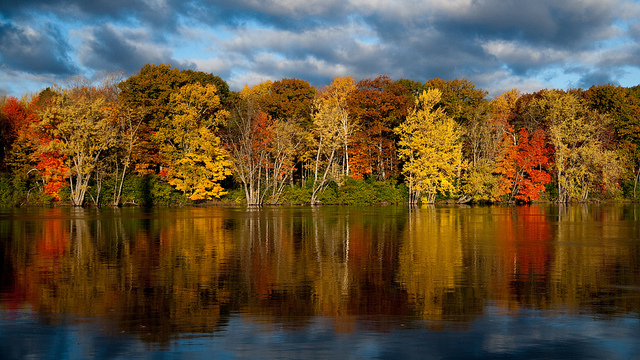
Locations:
(176, 137)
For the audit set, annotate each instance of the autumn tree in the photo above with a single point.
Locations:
(523, 165)
(460, 98)
(17, 137)
(430, 148)
(262, 148)
(483, 133)
(624, 109)
(129, 122)
(196, 161)
(582, 163)
(377, 106)
(289, 102)
(6, 135)
(80, 128)
(286, 143)
(288, 99)
(153, 85)
(149, 92)
(332, 128)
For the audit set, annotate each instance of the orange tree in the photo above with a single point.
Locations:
(377, 105)
(523, 165)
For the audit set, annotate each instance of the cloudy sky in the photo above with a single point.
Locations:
(497, 44)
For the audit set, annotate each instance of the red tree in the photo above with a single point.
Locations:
(523, 165)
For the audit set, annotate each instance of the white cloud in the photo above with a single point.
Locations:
(490, 42)
(519, 53)
(503, 80)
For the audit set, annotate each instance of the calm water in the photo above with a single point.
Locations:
(329, 282)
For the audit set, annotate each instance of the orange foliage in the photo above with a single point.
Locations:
(523, 165)
(378, 105)
(19, 117)
(53, 171)
(17, 135)
(360, 157)
(54, 240)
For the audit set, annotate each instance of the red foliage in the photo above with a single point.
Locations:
(19, 116)
(262, 132)
(379, 105)
(53, 171)
(524, 163)
(16, 122)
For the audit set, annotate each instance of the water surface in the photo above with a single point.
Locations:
(321, 282)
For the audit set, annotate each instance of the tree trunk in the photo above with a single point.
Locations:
(318, 186)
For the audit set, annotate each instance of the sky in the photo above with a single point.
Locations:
(497, 44)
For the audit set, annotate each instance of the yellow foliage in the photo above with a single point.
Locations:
(429, 144)
(332, 128)
(79, 124)
(581, 160)
(196, 160)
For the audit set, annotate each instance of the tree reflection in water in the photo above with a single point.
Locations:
(163, 274)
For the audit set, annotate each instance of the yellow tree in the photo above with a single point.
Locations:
(80, 127)
(430, 147)
(332, 128)
(582, 162)
(196, 161)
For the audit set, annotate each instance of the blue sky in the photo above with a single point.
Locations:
(497, 44)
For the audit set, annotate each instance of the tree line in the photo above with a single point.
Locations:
(169, 136)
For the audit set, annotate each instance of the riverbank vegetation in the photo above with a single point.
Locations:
(172, 137)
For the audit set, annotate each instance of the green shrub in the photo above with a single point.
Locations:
(297, 195)
(235, 195)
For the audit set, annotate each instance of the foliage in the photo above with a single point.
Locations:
(484, 135)
(377, 106)
(79, 127)
(624, 109)
(170, 136)
(582, 163)
(288, 99)
(262, 148)
(430, 146)
(523, 165)
(196, 161)
(460, 99)
(332, 128)
(298, 195)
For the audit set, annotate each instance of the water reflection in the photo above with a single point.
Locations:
(162, 274)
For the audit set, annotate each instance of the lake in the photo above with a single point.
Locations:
(540, 281)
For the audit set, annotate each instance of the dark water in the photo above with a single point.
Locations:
(330, 282)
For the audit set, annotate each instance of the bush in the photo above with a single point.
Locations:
(234, 195)
(365, 192)
(297, 195)
(6, 191)
(142, 190)
(17, 191)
